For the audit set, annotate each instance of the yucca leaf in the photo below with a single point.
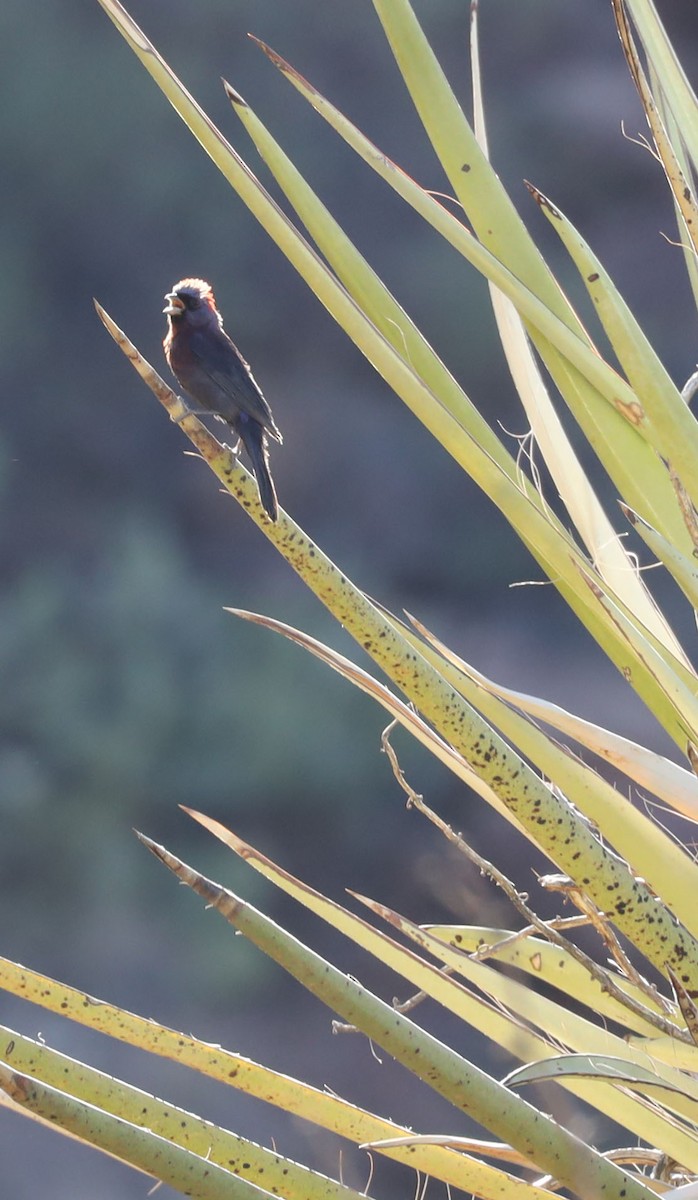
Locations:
(668, 423)
(180, 1168)
(666, 133)
(465, 1086)
(538, 533)
(594, 1066)
(606, 549)
(549, 963)
(672, 78)
(491, 1020)
(563, 836)
(308, 1103)
(115, 1098)
(555, 1022)
(624, 452)
(683, 569)
(652, 853)
(671, 783)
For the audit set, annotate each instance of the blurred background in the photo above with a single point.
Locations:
(126, 689)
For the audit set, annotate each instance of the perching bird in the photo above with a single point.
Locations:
(214, 374)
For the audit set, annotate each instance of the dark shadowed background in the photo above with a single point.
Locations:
(126, 689)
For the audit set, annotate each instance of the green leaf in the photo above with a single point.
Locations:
(465, 1086)
(596, 1066)
(187, 1172)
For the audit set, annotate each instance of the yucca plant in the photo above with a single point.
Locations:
(619, 1030)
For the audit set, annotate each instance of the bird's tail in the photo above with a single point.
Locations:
(255, 442)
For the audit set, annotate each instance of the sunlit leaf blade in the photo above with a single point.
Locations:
(499, 228)
(666, 135)
(369, 291)
(422, 974)
(390, 318)
(244, 1158)
(668, 517)
(593, 1066)
(489, 208)
(464, 1085)
(624, 452)
(573, 485)
(672, 78)
(667, 1050)
(491, 1019)
(320, 1107)
(686, 240)
(316, 274)
(678, 686)
(658, 857)
(362, 282)
(548, 962)
(537, 530)
(497, 1150)
(562, 834)
(633, 834)
(392, 704)
(683, 569)
(668, 423)
(670, 782)
(180, 1168)
(653, 772)
(689, 1009)
(555, 1022)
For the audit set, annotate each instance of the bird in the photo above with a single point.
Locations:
(213, 373)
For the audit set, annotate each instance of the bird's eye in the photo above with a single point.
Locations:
(193, 301)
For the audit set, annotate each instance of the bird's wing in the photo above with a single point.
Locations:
(221, 360)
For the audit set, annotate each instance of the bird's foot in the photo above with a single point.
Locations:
(182, 410)
(235, 450)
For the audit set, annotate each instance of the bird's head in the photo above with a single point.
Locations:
(191, 301)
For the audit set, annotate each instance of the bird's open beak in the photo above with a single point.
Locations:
(175, 306)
